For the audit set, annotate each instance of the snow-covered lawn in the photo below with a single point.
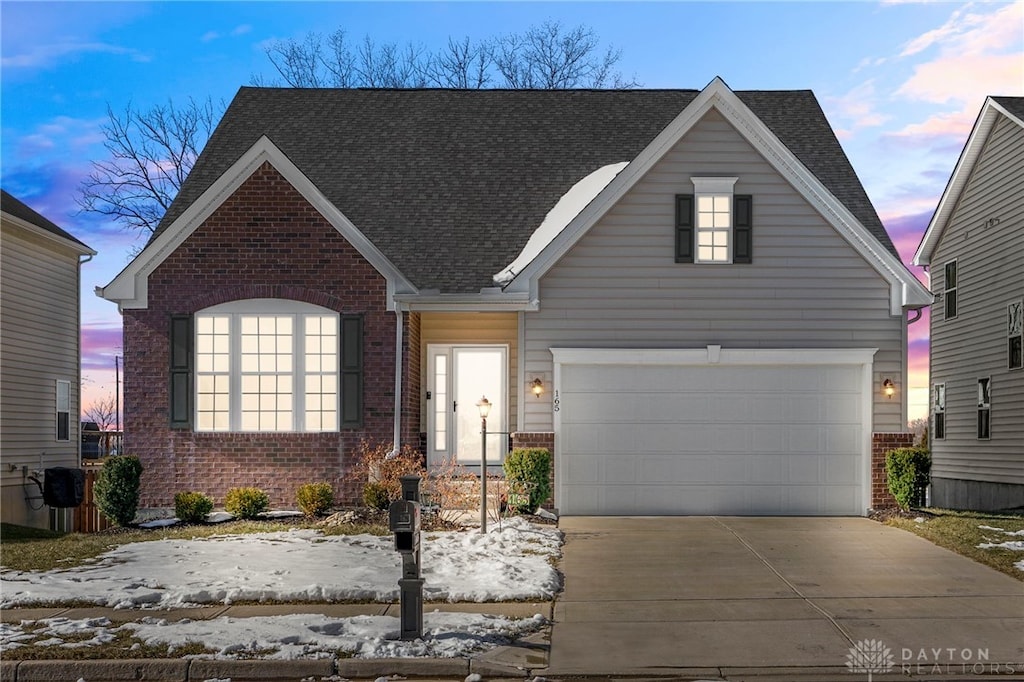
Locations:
(1014, 545)
(512, 563)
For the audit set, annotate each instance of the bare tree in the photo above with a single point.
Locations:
(544, 57)
(150, 153)
(103, 412)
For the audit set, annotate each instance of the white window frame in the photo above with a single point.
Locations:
(984, 407)
(297, 374)
(1015, 331)
(720, 191)
(946, 290)
(939, 409)
(62, 410)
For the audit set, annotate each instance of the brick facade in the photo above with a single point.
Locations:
(881, 443)
(264, 241)
(538, 439)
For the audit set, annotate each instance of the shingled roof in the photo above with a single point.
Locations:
(472, 173)
(11, 205)
(1015, 105)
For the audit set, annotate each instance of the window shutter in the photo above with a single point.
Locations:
(351, 371)
(181, 372)
(742, 231)
(684, 228)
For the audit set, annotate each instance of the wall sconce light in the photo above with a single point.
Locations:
(537, 386)
(888, 388)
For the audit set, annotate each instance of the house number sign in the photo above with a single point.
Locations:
(556, 401)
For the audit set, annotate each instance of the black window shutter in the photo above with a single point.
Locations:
(351, 371)
(684, 228)
(181, 372)
(742, 230)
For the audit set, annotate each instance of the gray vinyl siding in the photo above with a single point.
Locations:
(39, 338)
(807, 287)
(990, 263)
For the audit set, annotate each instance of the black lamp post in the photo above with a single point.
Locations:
(485, 409)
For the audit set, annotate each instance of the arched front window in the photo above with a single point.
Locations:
(267, 365)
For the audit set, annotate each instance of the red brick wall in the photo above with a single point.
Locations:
(264, 241)
(539, 439)
(881, 443)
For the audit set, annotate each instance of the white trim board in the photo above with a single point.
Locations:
(130, 288)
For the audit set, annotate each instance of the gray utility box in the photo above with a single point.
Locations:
(405, 524)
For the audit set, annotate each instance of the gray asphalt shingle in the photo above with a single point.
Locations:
(466, 176)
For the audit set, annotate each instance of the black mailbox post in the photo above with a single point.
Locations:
(404, 521)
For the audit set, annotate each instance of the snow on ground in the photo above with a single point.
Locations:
(301, 565)
(445, 635)
(1013, 545)
(512, 562)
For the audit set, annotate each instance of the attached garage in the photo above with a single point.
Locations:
(712, 431)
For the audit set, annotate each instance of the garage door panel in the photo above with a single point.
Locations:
(691, 439)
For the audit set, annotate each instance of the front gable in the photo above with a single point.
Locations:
(717, 99)
(130, 289)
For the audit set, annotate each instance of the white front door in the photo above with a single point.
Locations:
(457, 378)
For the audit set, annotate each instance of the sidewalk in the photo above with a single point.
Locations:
(516, 661)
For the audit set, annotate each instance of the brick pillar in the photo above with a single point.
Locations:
(881, 443)
(538, 439)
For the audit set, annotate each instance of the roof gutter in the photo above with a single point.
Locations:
(487, 300)
(397, 441)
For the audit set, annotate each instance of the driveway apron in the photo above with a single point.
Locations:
(714, 594)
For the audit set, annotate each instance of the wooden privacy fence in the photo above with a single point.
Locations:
(88, 518)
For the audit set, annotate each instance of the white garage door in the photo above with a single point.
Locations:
(755, 432)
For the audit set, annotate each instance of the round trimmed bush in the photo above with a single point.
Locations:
(315, 499)
(246, 503)
(191, 507)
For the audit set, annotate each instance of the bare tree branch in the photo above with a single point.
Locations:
(150, 153)
(103, 412)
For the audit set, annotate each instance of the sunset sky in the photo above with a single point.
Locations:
(901, 82)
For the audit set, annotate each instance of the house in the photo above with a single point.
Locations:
(695, 282)
(974, 251)
(40, 368)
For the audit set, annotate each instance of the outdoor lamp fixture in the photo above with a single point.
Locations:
(888, 388)
(537, 386)
(485, 409)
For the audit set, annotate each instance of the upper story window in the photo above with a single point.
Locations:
(1015, 335)
(984, 408)
(269, 365)
(713, 225)
(939, 411)
(63, 412)
(949, 289)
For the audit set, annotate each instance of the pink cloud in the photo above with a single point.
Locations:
(964, 78)
(100, 343)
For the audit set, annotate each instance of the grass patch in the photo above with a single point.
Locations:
(959, 531)
(28, 549)
(124, 645)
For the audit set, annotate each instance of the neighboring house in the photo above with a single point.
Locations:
(696, 278)
(974, 251)
(40, 369)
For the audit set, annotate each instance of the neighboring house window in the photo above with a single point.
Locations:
(984, 408)
(272, 365)
(939, 411)
(1015, 334)
(949, 291)
(63, 410)
(713, 225)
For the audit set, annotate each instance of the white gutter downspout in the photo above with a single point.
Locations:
(398, 384)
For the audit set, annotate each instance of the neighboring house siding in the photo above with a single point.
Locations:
(473, 329)
(806, 288)
(39, 334)
(990, 263)
(264, 241)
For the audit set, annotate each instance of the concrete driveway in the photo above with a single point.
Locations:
(785, 598)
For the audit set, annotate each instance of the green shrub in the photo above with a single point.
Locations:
(192, 507)
(246, 503)
(378, 495)
(528, 471)
(117, 488)
(907, 471)
(314, 499)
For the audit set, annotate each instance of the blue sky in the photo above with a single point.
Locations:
(901, 82)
